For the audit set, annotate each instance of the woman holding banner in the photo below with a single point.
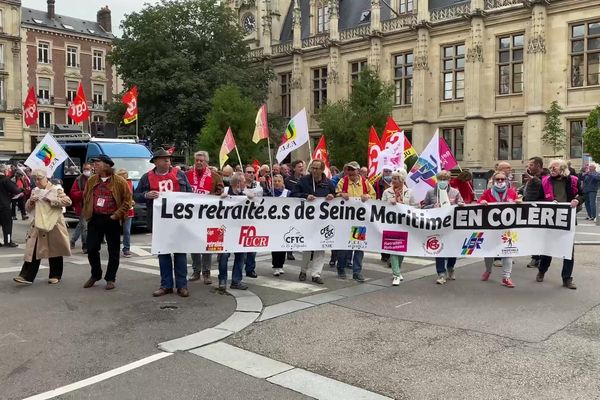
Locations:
(279, 190)
(398, 193)
(443, 195)
(500, 192)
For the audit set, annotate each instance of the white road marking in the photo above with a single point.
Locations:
(141, 269)
(138, 251)
(99, 378)
(403, 304)
(11, 255)
(587, 233)
(15, 269)
(282, 284)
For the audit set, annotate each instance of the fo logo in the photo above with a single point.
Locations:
(433, 245)
(248, 237)
(358, 233)
(472, 243)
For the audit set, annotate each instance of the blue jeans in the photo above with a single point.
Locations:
(250, 262)
(344, 256)
(126, 234)
(590, 204)
(80, 230)
(440, 264)
(178, 263)
(238, 263)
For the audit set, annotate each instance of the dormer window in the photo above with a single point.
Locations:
(322, 19)
(406, 6)
(365, 17)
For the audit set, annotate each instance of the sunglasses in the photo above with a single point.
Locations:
(500, 179)
(249, 172)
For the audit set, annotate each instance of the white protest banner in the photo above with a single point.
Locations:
(190, 223)
(48, 155)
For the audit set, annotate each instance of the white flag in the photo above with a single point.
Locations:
(422, 176)
(295, 136)
(48, 155)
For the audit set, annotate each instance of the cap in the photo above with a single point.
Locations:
(159, 153)
(352, 164)
(104, 158)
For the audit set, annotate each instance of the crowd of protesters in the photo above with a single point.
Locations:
(104, 199)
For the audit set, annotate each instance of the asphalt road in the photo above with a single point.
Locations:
(465, 340)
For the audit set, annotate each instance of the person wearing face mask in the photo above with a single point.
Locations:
(76, 195)
(500, 192)
(443, 195)
(381, 185)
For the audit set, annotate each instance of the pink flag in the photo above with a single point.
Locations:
(447, 159)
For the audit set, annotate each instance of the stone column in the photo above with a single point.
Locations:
(334, 20)
(375, 16)
(267, 35)
(297, 77)
(297, 26)
(475, 146)
(421, 89)
(534, 82)
(333, 69)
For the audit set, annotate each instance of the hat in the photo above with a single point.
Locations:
(352, 164)
(160, 153)
(104, 158)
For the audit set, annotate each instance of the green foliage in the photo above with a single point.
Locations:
(591, 136)
(178, 53)
(346, 123)
(230, 108)
(554, 134)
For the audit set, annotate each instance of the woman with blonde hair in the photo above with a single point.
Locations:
(398, 193)
(48, 236)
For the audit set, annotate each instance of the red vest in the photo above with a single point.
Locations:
(164, 183)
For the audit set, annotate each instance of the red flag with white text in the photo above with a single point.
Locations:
(130, 100)
(321, 153)
(78, 110)
(373, 154)
(30, 109)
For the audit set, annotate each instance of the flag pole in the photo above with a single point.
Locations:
(136, 126)
(270, 165)
(238, 154)
(310, 150)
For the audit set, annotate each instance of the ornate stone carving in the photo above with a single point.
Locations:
(475, 49)
(333, 75)
(297, 73)
(475, 53)
(536, 44)
(537, 41)
(421, 61)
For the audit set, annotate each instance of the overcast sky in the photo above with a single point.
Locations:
(86, 9)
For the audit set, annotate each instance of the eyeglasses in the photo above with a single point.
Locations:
(249, 172)
(500, 179)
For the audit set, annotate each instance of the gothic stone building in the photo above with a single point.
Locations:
(482, 71)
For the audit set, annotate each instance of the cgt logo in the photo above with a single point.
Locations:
(215, 237)
(248, 237)
(472, 243)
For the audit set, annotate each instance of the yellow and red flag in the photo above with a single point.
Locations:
(130, 100)
(227, 147)
(30, 109)
(321, 153)
(261, 131)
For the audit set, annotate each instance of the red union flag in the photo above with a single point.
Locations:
(130, 100)
(262, 129)
(30, 109)
(226, 148)
(373, 154)
(78, 110)
(321, 153)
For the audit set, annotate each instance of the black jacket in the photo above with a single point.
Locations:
(8, 190)
(304, 187)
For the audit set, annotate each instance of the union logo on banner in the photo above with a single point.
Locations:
(45, 154)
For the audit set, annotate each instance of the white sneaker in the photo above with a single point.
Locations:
(451, 275)
(396, 281)
(276, 271)
(401, 277)
(441, 280)
(281, 271)
(497, 263)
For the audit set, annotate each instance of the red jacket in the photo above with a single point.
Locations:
(76, 193)
(511, 195)
(464, 188)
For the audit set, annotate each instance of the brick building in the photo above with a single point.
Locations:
(60, 52)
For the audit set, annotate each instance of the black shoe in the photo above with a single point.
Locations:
(251, 274)
(222, 285)
(14, 218)
(11, 244)
(568, 283)
(349, 265)
(290, 256)
(358, 278)
(341, 275)
(238, 286)
(317, 279)
(540, 277)
(302, 276)
(24, 217)
(332, 263)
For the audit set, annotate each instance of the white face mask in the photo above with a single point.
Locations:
(87, 173)
(500, 185)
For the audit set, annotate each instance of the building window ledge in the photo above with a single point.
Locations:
(452, 101)
(402, 106)
(501, 96)
(577, 88)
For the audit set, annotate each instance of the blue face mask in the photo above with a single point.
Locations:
(387, 179)
(442, 185)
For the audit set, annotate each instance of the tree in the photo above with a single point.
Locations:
(178, 53)
(346, 123)
(591, 136)
(230, 108)
(554, 134)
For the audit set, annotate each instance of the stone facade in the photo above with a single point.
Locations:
(481, 71)
(11, 129)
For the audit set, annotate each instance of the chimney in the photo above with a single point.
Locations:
(51, 13)
(103, 18)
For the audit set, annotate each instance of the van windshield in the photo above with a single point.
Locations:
(135, 166)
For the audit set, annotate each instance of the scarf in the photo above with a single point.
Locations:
(500, 196)
(204, 184)
(399, 194)
(277, 192)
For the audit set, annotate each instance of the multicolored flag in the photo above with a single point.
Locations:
(374, 153)
(47, 155)
(321, 153)
(130, 100)
(78, 110)
(422, 176)
(30, 109)
(295, 135)
(227, 147)
(392, 138)
(261, 131)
